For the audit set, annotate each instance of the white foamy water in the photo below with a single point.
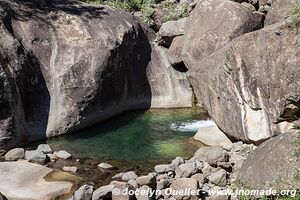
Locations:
(191, 125)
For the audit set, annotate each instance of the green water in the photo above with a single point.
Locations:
(136, 137)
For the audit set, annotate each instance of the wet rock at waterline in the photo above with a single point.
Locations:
(24, 180)
(83, 73)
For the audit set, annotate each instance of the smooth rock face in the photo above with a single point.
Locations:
(278, 11)
(248, 93)
(15, 154)
(274, 164)
(212, 25)
(29, 182)
(170, 88)
(84, 62)
(212, 136)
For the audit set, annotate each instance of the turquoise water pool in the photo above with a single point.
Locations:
(138, 137)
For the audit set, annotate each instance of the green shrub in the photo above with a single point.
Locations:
(294, 15)
(181, 12)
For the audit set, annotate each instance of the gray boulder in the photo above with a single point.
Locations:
(183, 184)
(104, 192)
(169, 30)
(212, 155)
(129, 176)
(85, 192)
(119, 191)
(234, 84)
(35, 156)
(148, 180)
(212, 25)
(144, 193)
(274, 164)
(278, 11)
(187, 169)
(218, 178)
(45, 148)
(63, 155)
(174, 51)
(164, 168)
(15, 154)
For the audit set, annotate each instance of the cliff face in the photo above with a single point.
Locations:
(66, 65)
(248, 82)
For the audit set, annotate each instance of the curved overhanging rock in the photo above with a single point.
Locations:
(66, 65)
(249, 88)
(23, 180)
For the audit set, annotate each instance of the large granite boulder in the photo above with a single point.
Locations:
(24, 180)
(274, 164)
(66, 65)
(251, 86)
(278, 11)
(212, 25)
